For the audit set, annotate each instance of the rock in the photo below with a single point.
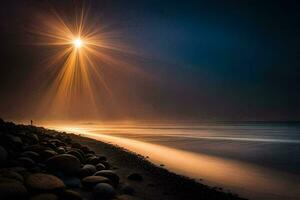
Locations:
(57, 142)
(44, 182)
(65, 163)
(25, 162)
(103, 191)
(77, 154)
(11, 189)
(16, 140)
(12, 175)
(33, 138)
(111, 175)
(135, 177)
(93, 160)
(91, 181)
(127, 189)
(19, 170)
(100, 166)
(31, 154)
(37, 148)
(106, 164)
(61, 150)
(45, 196)
(85, 149)
(87, 170)
(3, 156)
(71, 195)
(46, 154)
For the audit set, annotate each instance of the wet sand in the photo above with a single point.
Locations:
(158, 183)
(251, 181)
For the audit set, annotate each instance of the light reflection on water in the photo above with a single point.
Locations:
(246, 178)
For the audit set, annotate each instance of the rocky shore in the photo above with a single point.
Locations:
(41, 164)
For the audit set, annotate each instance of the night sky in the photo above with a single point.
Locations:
(213, 60)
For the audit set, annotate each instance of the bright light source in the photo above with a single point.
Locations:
(77, 43)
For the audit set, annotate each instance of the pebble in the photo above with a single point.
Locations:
(46, 154)
(77, 154)
(93, 160)
(103, 191)
(100, 166)
(31, 154)
(110, 175)
(87, 170)
(25, 162)
(65, 163)
(44, 182)
(91, 181)
(12, 175)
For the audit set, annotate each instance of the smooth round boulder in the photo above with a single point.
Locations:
(25, 162)
(100, 167)
(77, 154)
(65, 163)
(87, 170)
(31, 154)
(12, 175)
(61, 150)
(45, 196)
(91, 181)
(44, 182)
(103, 191)
(37, 148)
(111, 175)
(93, 160)
(46, 154)
(11, 189)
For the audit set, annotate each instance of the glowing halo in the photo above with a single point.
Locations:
(79, 52)
(77, 43)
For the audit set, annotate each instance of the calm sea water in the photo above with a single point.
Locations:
(255, 160)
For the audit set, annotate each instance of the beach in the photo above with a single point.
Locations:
(38, 163)
(247, 158)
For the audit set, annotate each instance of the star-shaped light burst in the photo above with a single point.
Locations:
(78, 51)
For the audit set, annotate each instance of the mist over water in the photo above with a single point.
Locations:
(256, 160)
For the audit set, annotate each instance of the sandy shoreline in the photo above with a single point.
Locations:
(38, 163)
(159, 183)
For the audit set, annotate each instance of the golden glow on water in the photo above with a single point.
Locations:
(246, 179)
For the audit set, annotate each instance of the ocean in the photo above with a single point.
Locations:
(255, 160)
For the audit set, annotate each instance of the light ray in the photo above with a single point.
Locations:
(74, 70)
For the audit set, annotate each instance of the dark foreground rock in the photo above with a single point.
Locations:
(41, 164)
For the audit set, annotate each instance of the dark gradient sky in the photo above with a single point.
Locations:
(213, 60)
